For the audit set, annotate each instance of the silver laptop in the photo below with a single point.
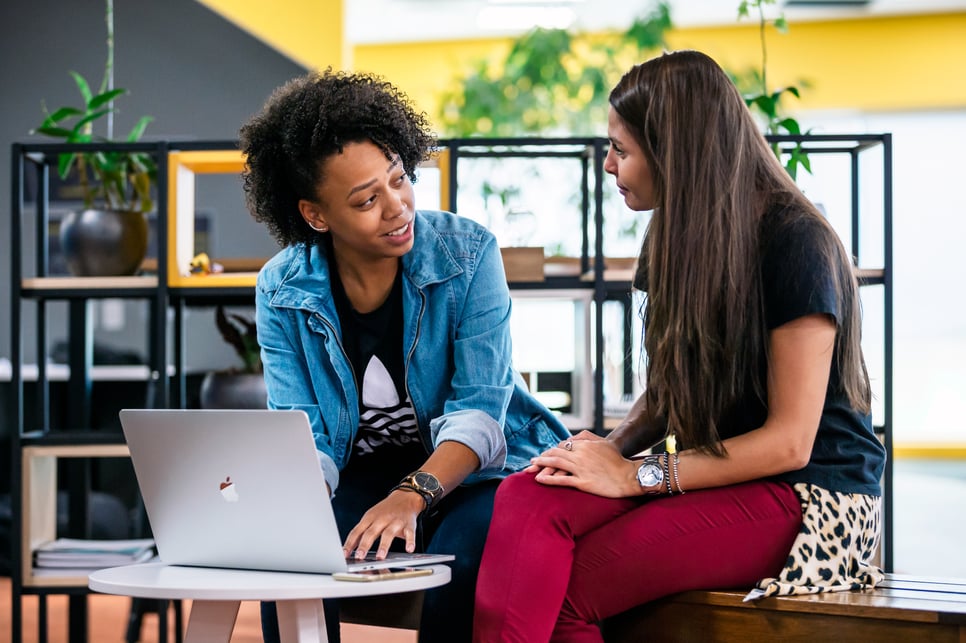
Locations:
(239, 489)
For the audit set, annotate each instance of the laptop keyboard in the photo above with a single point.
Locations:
(368, 558)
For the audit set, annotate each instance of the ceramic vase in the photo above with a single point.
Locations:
(104, 243)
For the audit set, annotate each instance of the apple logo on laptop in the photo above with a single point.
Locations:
(228, 490)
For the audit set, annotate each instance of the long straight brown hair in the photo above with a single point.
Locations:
(715, 179)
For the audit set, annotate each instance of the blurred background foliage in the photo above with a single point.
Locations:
(551, 83)
(555, 83)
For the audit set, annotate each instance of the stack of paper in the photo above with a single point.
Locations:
(70, 552)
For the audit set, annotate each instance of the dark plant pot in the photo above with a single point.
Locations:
(225, 390)
(104, 243)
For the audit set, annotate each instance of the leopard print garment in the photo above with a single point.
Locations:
(834, 548)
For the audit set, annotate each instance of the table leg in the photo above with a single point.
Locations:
(211, 621)
(302, 621)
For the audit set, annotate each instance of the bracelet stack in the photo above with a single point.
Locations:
(674, 468)
(667, 474)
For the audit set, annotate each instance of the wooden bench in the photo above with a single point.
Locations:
(902, 608)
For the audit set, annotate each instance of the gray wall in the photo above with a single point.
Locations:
(197, 74)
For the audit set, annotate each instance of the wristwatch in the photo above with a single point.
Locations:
(423, 483)
(650, 474)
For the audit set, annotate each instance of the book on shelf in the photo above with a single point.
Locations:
(80, 553)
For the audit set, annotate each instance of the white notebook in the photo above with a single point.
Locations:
(239, 489)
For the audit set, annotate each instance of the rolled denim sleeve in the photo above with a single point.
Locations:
(477, 431)
(329, 470)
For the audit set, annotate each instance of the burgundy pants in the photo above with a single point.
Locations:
(558, 561)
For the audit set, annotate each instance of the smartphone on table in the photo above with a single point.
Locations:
(390, 573)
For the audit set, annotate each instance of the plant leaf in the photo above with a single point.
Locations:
(138, 130)
(106, 97)
(57, 132)
(61, 114)
(790, 125)
(90, 118)
(64, 164)
(82, 86)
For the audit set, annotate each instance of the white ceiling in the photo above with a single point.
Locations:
(391, 21)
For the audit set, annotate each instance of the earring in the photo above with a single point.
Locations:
(324, 228)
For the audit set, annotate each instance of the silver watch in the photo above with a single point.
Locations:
(650, 474)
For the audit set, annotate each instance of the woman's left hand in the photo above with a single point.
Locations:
(594, 466)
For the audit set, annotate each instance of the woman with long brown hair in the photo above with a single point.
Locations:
(754, 368)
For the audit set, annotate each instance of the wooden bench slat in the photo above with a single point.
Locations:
(921, 586)
(956, 602)
(901, 608)
(858, 604)
(908, 579)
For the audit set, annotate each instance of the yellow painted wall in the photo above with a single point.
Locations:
(424, 71)
(310, 32)
(888, 63)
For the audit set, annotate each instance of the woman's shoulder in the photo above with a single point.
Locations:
(280, 265)
(786, 227)
(456, 232)
(451, 223)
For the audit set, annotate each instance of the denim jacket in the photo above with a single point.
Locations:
(456, 338)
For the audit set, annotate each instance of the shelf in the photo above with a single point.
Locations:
(39, 502)
(182, 168)
(71, 438)
(88, 287)
(61, 372)
(216, 280)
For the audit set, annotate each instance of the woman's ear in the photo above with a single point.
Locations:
(313, 215)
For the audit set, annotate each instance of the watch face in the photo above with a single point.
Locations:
(426, 481)
(650, 474)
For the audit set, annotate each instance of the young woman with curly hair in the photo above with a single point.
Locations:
(389, 326)
(754, 366)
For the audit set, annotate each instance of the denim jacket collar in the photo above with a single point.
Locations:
(307, 283)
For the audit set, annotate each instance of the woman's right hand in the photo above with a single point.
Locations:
(563, 444)
(391, 518)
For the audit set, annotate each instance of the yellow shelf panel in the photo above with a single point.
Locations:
(219, 280)
(182, 168)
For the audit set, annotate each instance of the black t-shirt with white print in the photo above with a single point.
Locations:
(373, 342)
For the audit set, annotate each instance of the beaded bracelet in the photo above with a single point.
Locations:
(677, 482)
(667, 474)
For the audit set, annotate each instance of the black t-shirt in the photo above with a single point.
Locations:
(387, 430)
(797, 281)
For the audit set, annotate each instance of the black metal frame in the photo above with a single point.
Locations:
(589, 151)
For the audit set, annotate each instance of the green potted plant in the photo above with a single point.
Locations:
(240, 387)
(110, 235)
(765, 101)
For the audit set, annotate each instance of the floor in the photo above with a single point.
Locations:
(107, 622)
(930, 511)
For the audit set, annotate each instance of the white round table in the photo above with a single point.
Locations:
(217, 593)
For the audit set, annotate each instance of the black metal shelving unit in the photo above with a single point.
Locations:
(35, 285)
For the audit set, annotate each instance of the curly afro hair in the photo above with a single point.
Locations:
(309, 119)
